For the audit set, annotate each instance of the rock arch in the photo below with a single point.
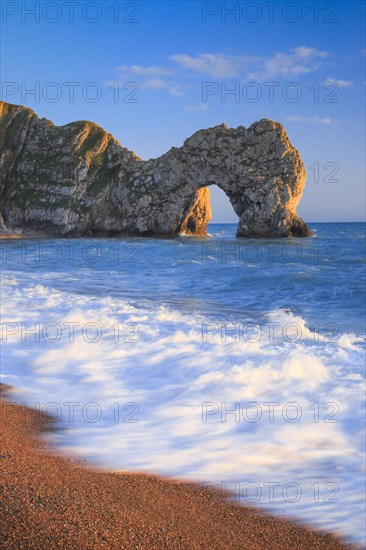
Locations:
(77, 179)
(258, 169)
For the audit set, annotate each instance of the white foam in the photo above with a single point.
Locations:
(170, 372)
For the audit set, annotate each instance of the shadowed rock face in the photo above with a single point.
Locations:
(78, 180)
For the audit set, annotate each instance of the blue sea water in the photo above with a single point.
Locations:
(232, 362)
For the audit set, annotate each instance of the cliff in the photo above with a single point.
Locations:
(79, 180)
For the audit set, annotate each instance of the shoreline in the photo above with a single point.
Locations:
(52, 500)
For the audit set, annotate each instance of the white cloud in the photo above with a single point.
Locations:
(290, 64)
(339, 83)
(194, 108)
(293, 63)
(313, 119)
(217, 65)
(153, 77)
(304, 52)
(160, 84)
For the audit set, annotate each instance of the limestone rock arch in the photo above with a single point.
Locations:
(79, 180)
(258, 169)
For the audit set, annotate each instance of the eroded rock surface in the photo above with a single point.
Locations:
(79, 180)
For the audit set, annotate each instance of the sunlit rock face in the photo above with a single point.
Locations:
(79, 180)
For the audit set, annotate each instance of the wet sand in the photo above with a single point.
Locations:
(51, 501)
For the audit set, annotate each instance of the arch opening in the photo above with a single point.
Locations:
(208, 205)
(221, 207)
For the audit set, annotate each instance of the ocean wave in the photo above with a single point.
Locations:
(177, 375)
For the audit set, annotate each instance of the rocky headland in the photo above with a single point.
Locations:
(78, 180)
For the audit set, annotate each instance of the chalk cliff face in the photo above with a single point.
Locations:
(79, 180)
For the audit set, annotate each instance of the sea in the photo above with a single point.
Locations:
(235, 363)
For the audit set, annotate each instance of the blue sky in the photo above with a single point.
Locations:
(152, 73)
